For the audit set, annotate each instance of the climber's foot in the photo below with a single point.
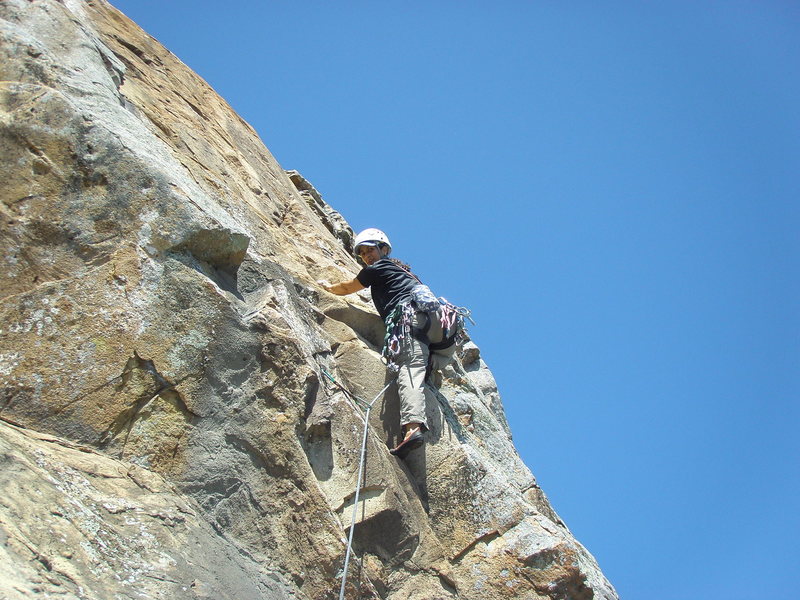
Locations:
(413, 439)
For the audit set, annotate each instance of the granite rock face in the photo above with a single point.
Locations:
(79, 524)
(168, 427)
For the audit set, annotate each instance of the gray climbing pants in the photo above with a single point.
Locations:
(413, 364)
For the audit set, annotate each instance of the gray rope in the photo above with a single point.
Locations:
(368, 407)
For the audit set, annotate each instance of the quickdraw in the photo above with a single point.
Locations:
(398, 327)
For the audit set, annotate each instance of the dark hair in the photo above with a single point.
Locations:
(400, 264)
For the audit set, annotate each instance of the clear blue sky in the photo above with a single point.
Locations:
(614, 189)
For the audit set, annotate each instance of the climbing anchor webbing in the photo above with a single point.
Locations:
(358, 401)
(367, 406)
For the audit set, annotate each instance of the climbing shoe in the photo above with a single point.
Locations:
(414, 441)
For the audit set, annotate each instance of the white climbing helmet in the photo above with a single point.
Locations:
(371, 237)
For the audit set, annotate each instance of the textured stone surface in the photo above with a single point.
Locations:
(158, 306)
(78, 524)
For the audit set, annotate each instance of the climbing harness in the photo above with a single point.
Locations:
(400, 326)
(366, 407)
(400, 322)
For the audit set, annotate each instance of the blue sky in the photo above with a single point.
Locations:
(613, 188)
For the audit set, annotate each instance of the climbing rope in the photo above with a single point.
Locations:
(366, 406)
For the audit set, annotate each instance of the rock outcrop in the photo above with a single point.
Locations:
(167, 430)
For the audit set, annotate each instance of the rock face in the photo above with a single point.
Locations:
(167, 428)
(90, 526)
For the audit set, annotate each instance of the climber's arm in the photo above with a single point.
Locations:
(344, 288)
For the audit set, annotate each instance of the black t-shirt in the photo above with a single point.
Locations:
(389, 284)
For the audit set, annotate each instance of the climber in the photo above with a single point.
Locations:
(418, 341)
